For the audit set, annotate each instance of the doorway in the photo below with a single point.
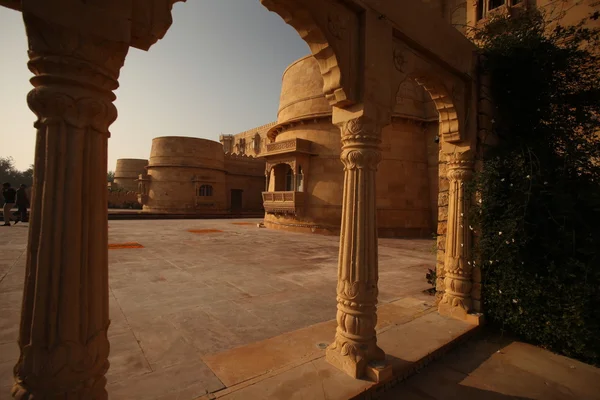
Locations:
(236, 199)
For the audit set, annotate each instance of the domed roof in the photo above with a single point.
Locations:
(302, 92)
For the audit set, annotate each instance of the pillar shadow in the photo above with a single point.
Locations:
(442, 379)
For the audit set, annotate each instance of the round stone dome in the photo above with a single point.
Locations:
(179, 151)
(302, 92)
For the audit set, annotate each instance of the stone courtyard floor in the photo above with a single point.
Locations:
(186, 297)
(231, 311)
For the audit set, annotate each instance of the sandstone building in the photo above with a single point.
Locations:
(127, 173)
(305, 176)
(187, 175)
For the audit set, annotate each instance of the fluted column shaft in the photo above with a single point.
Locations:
(458, 269)
(63, 333)
(355, 344)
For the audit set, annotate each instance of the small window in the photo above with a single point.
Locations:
(496, 3)
(205, 191)
(480, 9)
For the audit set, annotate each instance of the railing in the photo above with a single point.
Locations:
(289, 146)
(283, 202)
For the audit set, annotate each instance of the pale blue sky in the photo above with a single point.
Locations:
(218, 70)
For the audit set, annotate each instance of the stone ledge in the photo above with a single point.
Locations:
(411, 339)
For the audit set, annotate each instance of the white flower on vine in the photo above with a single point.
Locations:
(515, 301)
(462, 215)
(470, 227)
(527, 177)
(500, 233)
(513, 240)
(502, 180)
(462, 245)
(507, 242)
(469, 262)
(491, 262)
(500, 291)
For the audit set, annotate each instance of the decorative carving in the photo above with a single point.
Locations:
(458, 270)
(361, 159)
(336, 25)
(399, 60)
(355, 343)
(63, 342)
(361, 131)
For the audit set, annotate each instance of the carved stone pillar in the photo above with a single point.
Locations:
(458, 268)
(355, 344)
(63, 333)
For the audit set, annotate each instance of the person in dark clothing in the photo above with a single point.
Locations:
(22, 203)
(9, 195)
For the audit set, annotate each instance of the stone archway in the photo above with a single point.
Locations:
(76, 57)
(454, 95)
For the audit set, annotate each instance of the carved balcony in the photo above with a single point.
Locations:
(283, 202)
(289, 146)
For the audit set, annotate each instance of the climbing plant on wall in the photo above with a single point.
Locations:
(537, 216)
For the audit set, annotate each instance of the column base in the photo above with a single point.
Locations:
(379, 371)
(449, 310)
(358, 366)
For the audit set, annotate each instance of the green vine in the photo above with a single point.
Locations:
(537, 221)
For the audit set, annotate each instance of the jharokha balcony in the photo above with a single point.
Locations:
(289, 146)
(283, 202)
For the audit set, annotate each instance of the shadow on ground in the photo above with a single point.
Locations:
(495, 367)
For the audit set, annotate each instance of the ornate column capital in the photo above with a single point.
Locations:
(460, 165)
(362, 131)
(361, 138)
(75, 75)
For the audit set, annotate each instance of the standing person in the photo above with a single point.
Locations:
(9, 195)
(22, 203)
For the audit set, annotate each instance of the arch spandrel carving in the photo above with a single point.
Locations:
(449, 91)
(331, 31)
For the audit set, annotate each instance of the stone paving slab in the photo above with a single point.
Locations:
(184, 296)
(499, 368)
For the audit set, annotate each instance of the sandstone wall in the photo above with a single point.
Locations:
(302, 92)
(248, 175)
(123, 199)
(252, 142)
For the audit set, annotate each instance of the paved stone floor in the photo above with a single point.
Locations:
(498, 368)
(185, 297)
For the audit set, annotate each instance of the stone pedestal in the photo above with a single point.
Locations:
(458, 268)
(355, 345)
(63, 333)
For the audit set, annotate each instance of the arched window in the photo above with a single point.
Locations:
(289, 180)
(205, 190)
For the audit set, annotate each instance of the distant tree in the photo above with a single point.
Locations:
(9, 173)
(110, 176)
